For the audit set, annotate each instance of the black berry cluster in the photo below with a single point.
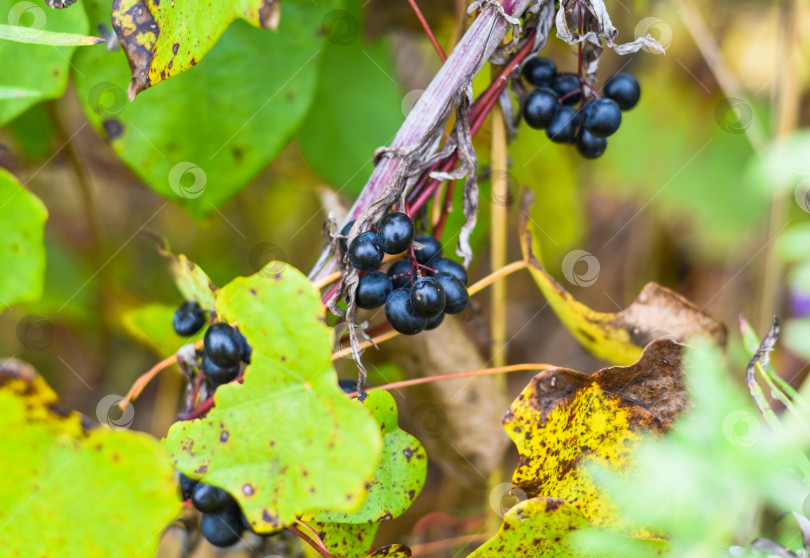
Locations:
(551, 106)
(417, 291)
(224, 347)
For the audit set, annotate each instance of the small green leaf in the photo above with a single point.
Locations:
(346, 540)
(42, 37)
(286, 441)
(73, 489)
(22, 244)
(192, 282)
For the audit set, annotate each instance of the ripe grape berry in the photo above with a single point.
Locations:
(364, 252)
(188, 319)
(224, 528)
(541, 106)
(433, 323)
(209, 498)
(456, 295)
(216, 375)
(395, 232)
(624, 89)
(446, 265)
(344, 232)
(566, 86)
(372, 290)
(601, 117)
(590, 146)
(400, 273)
(222, 346)
(400, 313)
(348, 386)
(427, 297)
(540, 71)
(563, 126)
(432, 249)
(244, 347)
(186, 486)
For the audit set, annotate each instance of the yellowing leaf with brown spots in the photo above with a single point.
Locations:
(619, 337)
(392, 551)
(543, 528)
(192, 282)
(71, 487)
(346, 540)
(286, 441)
(563, 420)
(164, 38)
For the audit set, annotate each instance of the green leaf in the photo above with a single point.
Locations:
(22, 245)
(41, 37)
(192, 282)
(346, 540)
(543, 527)
(357, 108)
(164, 39)
(287, 440)
(784, 164)
(74, 489)
(202, 136)
(32, 73)
(151, 324)
(400, 473)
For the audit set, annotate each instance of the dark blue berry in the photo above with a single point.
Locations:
(541, 106)
(224, 528)
(186, 486)
(217, 375)
(188, 319)
(589, 145)
(445, 265)
(395, 232)
(432, 249)
(563, 126)
(566, 86)
(540, 71)
(210, 499)
(344, 232)
(601, 117)
(244, 347)
(364, 251)
(433, 323)
(456, 295)
(624, 89)
(427, 297)
(400, 313)
(222, 346)
(348, 386)
(400, 273)
(372, 290)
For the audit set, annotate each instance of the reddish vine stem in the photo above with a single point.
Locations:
(426, 27)
(301, 535)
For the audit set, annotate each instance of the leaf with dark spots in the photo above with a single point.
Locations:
(346, 540)
(392, 551)
(60, 459)
(565, 419)
(282, 419)
(192, 282)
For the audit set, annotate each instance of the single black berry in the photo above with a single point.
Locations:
(244, 347)
(224, 528)
(541, 106)
(395, 232)
(186, 486)
(209, 498)
(589, 145)
(433, 323)
(540, 71)
(217, 375)
(400, 313)
(372, 290)
(446, 265)
(222, 346)
(432, 249)
(364, 251)
(427, 297)
(348, 386)
(456, 295)
(601, 117)
(400, 273)
(563, 126)
(188, 319)
(344, 232)
(566, 86)
(624, 89)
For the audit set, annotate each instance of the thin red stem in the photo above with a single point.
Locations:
(301, 535)
(426, 27)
